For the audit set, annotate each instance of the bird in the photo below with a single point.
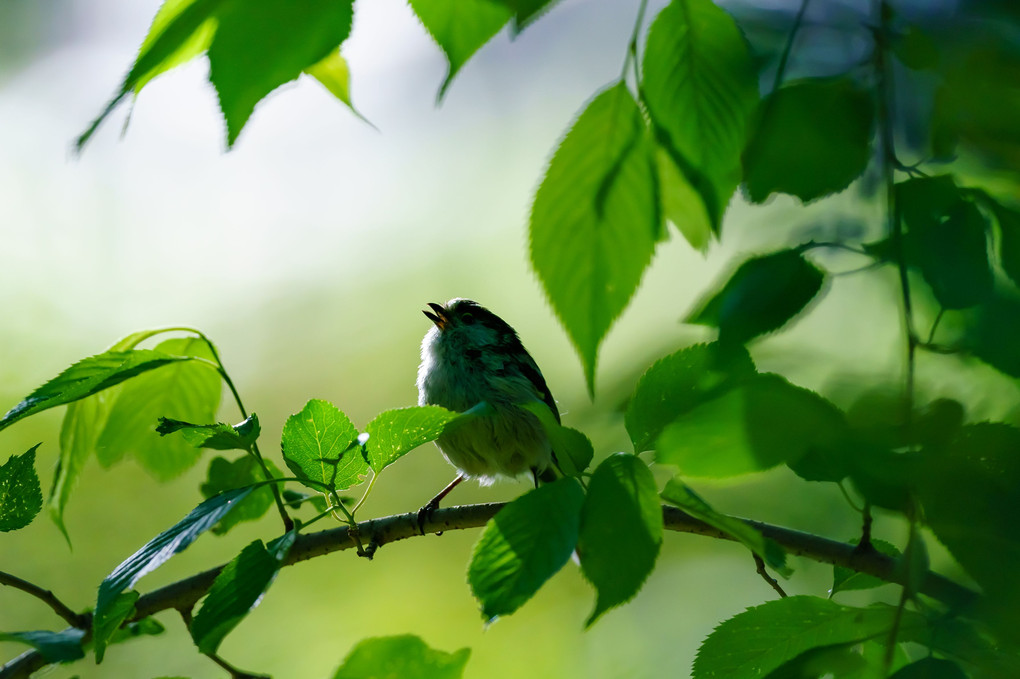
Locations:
(471, 356)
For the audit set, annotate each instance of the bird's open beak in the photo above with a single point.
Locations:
(440, 316)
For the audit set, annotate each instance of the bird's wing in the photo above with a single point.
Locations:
(534, 375)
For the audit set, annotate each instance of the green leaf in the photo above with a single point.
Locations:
(681, 204)
(757, 641)
(405, 656)
(334, 74)
(237, 590)
(394, 433)
(527, 11)
(572, 450)
(55, 647)
(994, 334)
(262, 44)
(107, 621)
(146, 627)
(621, 530)
(930, 668)
(524, 545)
(225, 475)
(1008, 220)
(700, 85)
(79, 432)
(952, 252)
(812, 138)
(460, 28)
(679, 382)
(595, 220)
(187, 390)
(217, 436)
(763, 422)
(761, 296)
(87, 377)
(20, 493)
(846, 579)
(683, 496)
(171, 541)
(318, 447)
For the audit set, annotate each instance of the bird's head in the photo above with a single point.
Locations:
(467, 323)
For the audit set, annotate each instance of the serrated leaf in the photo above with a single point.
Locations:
(394, 433)
(217, 436)
(524, 545)
(224, 475)
(757, 641)
(683, 496)
(55, 647)
(845, 579)
(20, 492)
(811, 138)
(620, 532)
(761, 296)
(107, 621)
(572, 450)
(87, 377)
(595, 220)
(679, 382)
(238, 589)
(460, 28)
(405, 656)
(187, 390)
(763, 422)
(335, 75)
(681, 204)
(262, 44)
(701, 87)
(527, 11)
(317, 447)
(171, 541)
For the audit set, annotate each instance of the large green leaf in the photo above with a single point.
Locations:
(225, 475)
(86, 377)
(762, 422)
(994, 334)
(20, 493)
(237, 590)
(55, 647)
(621, 530)
(394, 433)
(317, 446)
(405, 656)
(759, 640)
(171, 541)
(187, 390)
(761, 296)
(812, 138)
(262, 44)
(596, 219)
(679, 382)
(524, 545)
(572, 450)
(460, 28)
(683, 496)
(681, 204)
(701, 87)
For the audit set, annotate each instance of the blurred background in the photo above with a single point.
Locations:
(307, 252)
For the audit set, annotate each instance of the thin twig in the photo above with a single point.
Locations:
(760, 563)
(785, 57)
(47, 597)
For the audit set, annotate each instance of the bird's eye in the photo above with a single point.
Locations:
(467, 318)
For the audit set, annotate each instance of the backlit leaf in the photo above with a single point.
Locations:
(405, 656)
(225, 475)
(395, 433)
(20, 493)
(317, 446)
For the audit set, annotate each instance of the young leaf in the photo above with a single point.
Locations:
(620, 532)
(335, 75)
(86, 377)
(171, 541)
(677, 383)
(218, 436)
(845, 579)
(757, 641)
(187, 390)
(681, 204)
(700, 86)
(106, 622)
(596, 219)
(460, 28)
(762, 422)
(79, 432)
(524, 545)
(54, 647)
(237, 590)
(571, 449)
(683, 496)
(761, 296)
(394, 433)
(405, 656)
(262, 44)
(20, 493)
(317, 447)
(224, 475)
(812, 137)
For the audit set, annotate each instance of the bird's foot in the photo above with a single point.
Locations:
(425, 513)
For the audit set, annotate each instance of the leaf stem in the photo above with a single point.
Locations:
(632, 45)
(47, 597)
(785, 57)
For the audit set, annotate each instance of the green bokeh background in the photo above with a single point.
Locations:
(306, 253)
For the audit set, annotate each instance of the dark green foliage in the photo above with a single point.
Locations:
(55, 646)
(20, 493)
(218, 436)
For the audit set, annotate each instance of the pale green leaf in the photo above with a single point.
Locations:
(185, 49)
(219, 436)
(401, 657)
(394, 433)
(318, 447)
(681, 204)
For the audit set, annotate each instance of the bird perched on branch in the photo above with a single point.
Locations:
(473, 356)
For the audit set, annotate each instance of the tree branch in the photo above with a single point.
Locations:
(47, 597)
(185, 593)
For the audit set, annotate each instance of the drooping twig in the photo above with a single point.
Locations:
(760, 563)
(47, 597)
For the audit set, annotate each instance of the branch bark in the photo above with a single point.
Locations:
(185, 593)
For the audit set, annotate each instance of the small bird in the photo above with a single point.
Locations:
(471, 356)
